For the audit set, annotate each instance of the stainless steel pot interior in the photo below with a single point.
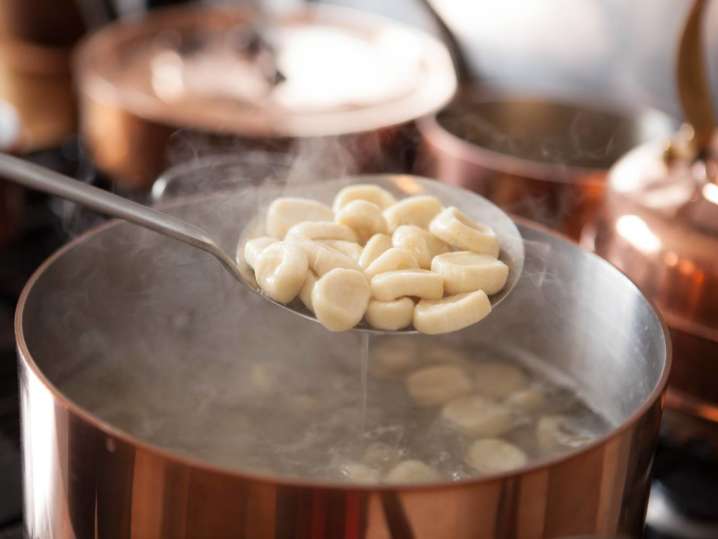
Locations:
(150, 313)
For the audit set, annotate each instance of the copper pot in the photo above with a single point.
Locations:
(54, 23)
(542, 158)
(85, 477)
(128, 118)
(37, 81)
(659, 226)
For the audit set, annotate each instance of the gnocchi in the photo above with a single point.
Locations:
(322, 258)
(464, 271)
(376, 245)
(452, 313)
(478, 416)
(305, 294)
(557, 431)
(525, 400)
(349, 248)
(360, 473)
(284, 213)
(390, 315)
(391, 260)
(419, 242)
(496, 379)
(340, 298)
(364, 218)
(392, 356)
(416, 210)
(436, 385)
(417, 283)
(254, 247)
(321, 230)
(455, 228)
(365, 191)
(406, 252)
(494, 455)
(281, 270)
(411, 471)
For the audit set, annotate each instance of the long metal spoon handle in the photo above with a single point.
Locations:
(693, 86)
(41, 179)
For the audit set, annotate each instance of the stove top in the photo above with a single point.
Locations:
(684, 495)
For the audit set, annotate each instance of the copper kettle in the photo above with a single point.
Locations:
(659, 225)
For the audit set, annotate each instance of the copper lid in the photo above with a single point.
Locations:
(342, 71)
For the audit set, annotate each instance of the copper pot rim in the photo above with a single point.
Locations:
(230, 473)
(344, 121)
(435, 134)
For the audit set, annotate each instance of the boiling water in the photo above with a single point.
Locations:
(328, 416)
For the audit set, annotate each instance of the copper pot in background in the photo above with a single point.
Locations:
(542, 158)
(659, 225)
(52, 23)
(37, 81)
(36, 39)
(130, 125)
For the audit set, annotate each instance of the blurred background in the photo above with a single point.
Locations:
(83, 114)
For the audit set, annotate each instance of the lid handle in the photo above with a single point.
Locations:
(693, 85)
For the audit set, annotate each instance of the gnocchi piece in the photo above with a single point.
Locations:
(446, 354)
(458, 230)
(254, 247)
(391, 260)
(432, 386)
(418, 283)
(464, 271)
(370, 193)
(323, 259)
(286, 212)
(305, 294)
(557, 431)
(364, 218)
(498, 380)
(417, 210)
(376, 245)
(478, 416)
(452, 313)
(525, 400)
(340, 298)
(494, 455)
(280, 271)
(390, 315)
(321, 230)
(351, 249)
(419, 242)
(412, 471)
(359, 473)
(392, 356)
(380, 455)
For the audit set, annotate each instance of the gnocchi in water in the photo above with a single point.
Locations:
(408, 262)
